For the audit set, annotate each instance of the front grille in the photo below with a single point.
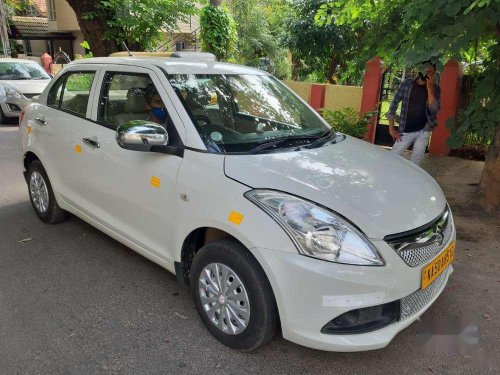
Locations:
(418, 248)
(413, 303)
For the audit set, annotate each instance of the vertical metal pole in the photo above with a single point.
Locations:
(3, 31)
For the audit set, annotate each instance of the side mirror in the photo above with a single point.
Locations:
(141, 135)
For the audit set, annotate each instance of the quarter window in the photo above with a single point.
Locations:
(75, 96)
(54, 96)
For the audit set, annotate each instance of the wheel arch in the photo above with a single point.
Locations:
(200, 237)
(28, 158)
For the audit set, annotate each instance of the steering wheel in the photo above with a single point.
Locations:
(203, 118)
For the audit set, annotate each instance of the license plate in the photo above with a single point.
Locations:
(438, 265)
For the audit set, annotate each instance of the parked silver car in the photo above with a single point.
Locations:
(20, 81)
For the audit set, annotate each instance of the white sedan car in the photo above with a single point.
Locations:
(20, 81)
(222, 175)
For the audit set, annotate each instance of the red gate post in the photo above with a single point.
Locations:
(450, 83)
(372, 84)
(317, 98)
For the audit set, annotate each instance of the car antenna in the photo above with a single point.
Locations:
(124, 45)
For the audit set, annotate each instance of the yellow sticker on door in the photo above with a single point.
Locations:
(155, 182)
(78, 149)
(235, 217)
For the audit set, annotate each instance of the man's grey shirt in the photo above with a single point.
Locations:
(403, 95)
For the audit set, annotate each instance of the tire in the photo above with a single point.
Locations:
(256, 321)
(42, 196)
(3, 118)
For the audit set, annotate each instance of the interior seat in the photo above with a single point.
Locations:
(134, 107)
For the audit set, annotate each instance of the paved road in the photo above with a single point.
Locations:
(74, 301)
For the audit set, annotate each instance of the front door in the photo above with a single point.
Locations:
(131, 192)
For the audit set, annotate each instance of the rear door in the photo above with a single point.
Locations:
(59, 128)
(130, 192)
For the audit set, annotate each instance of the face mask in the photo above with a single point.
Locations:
(160, 113)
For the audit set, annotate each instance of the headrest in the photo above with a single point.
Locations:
(136, 102)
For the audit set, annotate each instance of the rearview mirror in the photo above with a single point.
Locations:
(139, 135)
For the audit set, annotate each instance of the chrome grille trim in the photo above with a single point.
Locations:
(416, 301)
(419, 248)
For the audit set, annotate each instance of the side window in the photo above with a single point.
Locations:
(129, 96)
(54, 96)
(75, 96)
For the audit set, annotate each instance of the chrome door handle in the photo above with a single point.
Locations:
(41, 121)
(91, 142)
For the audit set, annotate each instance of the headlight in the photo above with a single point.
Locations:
(316, 231)
(11, 92)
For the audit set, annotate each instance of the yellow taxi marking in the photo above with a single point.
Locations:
(155, 182)
(78, 149)
(235, 217)
(30, 129)
(438, 265)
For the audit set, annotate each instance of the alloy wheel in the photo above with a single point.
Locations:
(39, 192)
(224, 298)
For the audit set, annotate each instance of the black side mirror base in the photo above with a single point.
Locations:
(169, 150)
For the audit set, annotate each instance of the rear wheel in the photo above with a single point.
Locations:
(42, 196)
(233, 296)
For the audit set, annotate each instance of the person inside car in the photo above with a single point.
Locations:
(156, 109)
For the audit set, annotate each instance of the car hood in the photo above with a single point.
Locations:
(379, 192)
(29, 86)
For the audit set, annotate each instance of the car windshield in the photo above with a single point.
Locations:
(21, 70)
(243, 113)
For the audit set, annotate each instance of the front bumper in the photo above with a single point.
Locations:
(311, 292)
(12, 107)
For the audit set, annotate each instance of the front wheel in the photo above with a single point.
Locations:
(233, 296)
(42, 196)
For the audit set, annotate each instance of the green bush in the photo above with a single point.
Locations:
(218, 31)
(348, 121)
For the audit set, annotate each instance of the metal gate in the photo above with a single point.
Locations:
(390, 81)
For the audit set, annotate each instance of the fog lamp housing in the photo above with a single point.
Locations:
(363, 320)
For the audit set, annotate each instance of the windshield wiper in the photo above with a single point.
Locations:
(323, 138)
(274, 142)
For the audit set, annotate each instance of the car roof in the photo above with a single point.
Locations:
(10, 59)
(175, 65)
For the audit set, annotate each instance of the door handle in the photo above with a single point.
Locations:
(91, 142)
(40, 120)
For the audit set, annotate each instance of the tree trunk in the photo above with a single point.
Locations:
(92, 29)
(489, 187)
(215, 2)
(332, 67)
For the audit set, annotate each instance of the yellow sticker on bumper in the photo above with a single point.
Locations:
(235, 217)
(78, 149)
(155, 182)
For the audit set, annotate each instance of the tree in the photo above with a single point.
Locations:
(141, 24)
(218, 30)
(93, 23)
(105, 24)
(325, 48)
(255, 39)
(422, 32)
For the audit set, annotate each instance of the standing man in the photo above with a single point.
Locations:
(420, 100)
